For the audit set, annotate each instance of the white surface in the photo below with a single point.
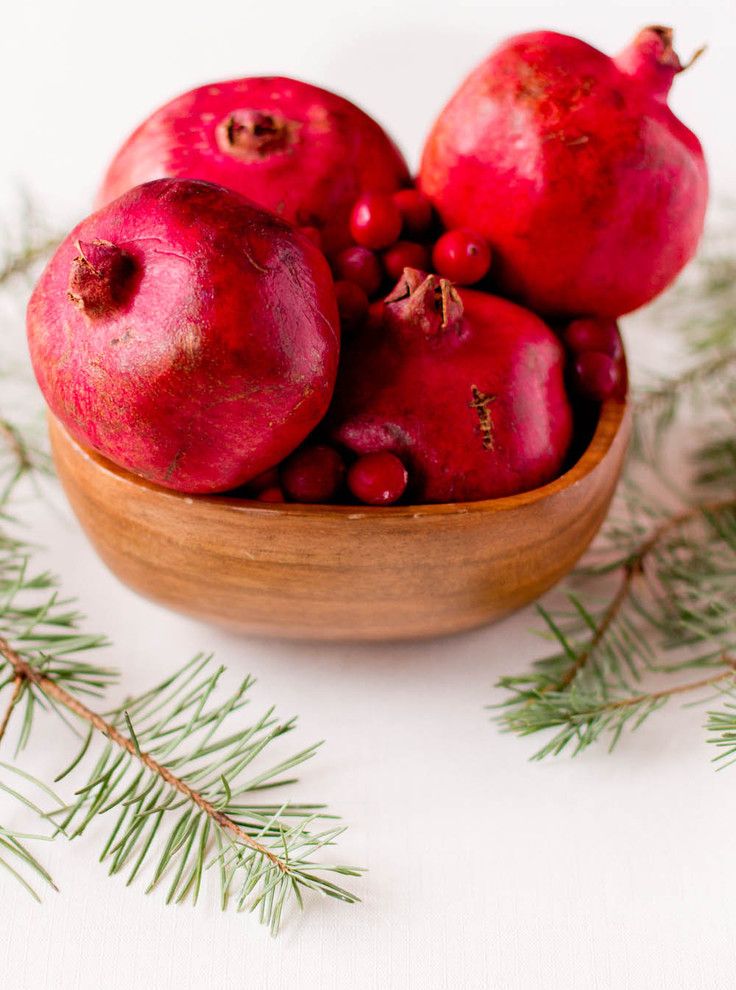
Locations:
(485, 870)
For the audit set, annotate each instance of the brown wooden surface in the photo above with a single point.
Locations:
(336, 572)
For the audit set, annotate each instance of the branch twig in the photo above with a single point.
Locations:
(633, 567)
(26, 672)
(17, 688)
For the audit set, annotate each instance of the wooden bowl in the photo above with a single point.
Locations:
(342, 572)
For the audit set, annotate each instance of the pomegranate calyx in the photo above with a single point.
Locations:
(99, 277)
(651, 59)
(425, 303)
(251, 135)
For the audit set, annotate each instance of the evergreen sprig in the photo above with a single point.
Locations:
(657, 596)
(177, 769)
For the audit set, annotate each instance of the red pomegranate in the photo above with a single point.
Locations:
(186, 334)
(303, 152)
(589, 190)
(465, 388)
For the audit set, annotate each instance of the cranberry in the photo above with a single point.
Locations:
(378, 479)
(405, 254)
(461, 256)
(314, 235)
(596, 375)
(375, 221)
(352, 304)
(589, 334)
(359, 265)
(415, 209)
(271, 494)
(267, 479)
(313, 474)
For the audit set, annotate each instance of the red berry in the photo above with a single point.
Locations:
(596, 375)
(378, 479)
(462, 257)
(352, 304)
(359, 265)
(415, 209)
(375, 221)
(589, 334)
(313, 474)
(267, 479)
(272, 494)
(314, 234)
(405, 254)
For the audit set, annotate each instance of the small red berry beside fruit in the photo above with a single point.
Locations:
(267, 479)
(415, 209)
(359, 265)
(589, 334)
(405, 254)
(313, 474)
(375, 221)
(314, 235)
(378, 479)
(462, 257)
(596, 375)
(272, 494)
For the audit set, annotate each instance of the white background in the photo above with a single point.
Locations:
(485, 870)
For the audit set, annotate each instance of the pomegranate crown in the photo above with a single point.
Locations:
(424, 303)
(99, 277)
(652, 59)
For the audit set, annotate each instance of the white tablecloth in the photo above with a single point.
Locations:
(485, 870)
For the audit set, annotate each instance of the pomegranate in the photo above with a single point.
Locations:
(465, 388)
(303, 152)
(589, 190)
(186, 334)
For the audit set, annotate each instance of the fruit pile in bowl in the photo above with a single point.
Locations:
(297, 392)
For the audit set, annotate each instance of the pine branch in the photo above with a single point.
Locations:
(264, 849)
(169, 761)
(664, 584)
(175, 766)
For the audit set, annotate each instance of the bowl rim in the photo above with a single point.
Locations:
(613, 411)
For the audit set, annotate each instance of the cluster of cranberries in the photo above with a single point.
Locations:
(392, 232)
(317, 473)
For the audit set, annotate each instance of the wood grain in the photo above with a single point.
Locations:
(338, 572)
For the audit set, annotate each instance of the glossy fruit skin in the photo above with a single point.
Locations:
(378, 479)
(314, 473)
(591, 193)
(360, 265)
(470, 395)
(595, 375)
(375, 221)
(462, 256)
(219, 358)
(296, 149)
(405, 254)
